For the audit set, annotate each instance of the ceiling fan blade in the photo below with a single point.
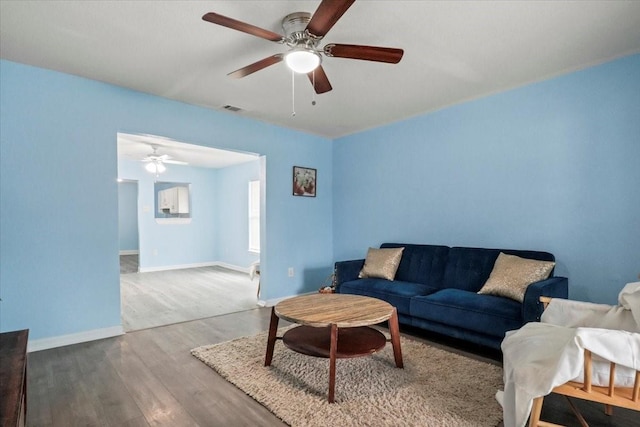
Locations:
(256, 66)
(367, 53)
(242, 26)
(326, 15)
(319, 80)
(175, 162)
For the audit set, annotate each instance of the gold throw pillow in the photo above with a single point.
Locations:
(381, 263)
(511, 275)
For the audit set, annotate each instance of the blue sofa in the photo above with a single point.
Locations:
(435, 288)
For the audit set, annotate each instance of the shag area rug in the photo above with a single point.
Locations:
(435, 388)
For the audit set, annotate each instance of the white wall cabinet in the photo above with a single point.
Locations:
(174, 200)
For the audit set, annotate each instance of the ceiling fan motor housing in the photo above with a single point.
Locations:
(294, 26)
(303, 56)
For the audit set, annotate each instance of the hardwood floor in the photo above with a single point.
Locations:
(144, 378)
(165, 297)
(149, 378)
(129, 264)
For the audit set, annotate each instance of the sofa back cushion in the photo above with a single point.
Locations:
(469, 268)
(421, 263)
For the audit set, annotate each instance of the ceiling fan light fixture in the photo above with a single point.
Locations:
(302, 60)
(155, 167)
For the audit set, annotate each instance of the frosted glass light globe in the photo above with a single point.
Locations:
(302, 61)
(155, 167)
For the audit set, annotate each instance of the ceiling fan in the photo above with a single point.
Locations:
(156, 162)
(303, 33)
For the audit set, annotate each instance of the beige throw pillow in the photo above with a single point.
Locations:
(511, 275)
(381, 263)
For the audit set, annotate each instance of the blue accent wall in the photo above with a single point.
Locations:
(59, 269)
(550, 166)
(128, 216)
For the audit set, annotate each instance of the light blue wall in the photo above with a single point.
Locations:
(165, 245)
(550, 166)
(128, 216)
(58, 195)
(218, 231)
(233, 221)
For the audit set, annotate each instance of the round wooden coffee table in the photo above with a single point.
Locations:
(334, 326)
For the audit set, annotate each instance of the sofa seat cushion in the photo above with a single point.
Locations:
(487, 314)
(397, 293)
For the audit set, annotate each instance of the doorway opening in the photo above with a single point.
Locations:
(193, 222)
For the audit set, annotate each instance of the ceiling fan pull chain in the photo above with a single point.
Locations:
(293, 94)
(313, 92)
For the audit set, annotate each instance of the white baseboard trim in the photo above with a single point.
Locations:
(62, 340)
(177, 267)
(130, 252)
(233, 267)
(195, 265)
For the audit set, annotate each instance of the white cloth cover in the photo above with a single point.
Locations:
(629, 298)
(574, 314)
(541, 356)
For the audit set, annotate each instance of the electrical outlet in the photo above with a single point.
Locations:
(155, 252)
(290, 271)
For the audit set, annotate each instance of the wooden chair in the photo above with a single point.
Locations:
(610, 396)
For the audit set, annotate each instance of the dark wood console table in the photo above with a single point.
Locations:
(13, 378)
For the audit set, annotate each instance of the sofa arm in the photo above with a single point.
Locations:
(555, 287)
(347, 270)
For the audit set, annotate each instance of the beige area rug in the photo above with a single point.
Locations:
(435, 388)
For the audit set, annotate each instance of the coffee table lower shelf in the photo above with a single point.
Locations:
(352, 342)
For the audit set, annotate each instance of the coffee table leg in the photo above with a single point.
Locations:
(271, 341)
(332, 362)
(394, 330)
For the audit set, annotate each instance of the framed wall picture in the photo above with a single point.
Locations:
(304, 182)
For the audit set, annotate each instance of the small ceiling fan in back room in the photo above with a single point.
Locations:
(303, 33)
(155, 163)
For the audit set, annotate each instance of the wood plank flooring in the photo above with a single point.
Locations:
(165, 297)
(149, 378)
(144, 378)
(129, 264)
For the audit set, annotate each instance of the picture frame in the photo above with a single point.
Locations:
(304, 181)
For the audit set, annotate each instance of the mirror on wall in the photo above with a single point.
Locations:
(172, 200)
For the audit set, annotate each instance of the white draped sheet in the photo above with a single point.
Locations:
(541, 356)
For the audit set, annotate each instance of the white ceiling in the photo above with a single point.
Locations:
(137, 147)
(454, 51)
